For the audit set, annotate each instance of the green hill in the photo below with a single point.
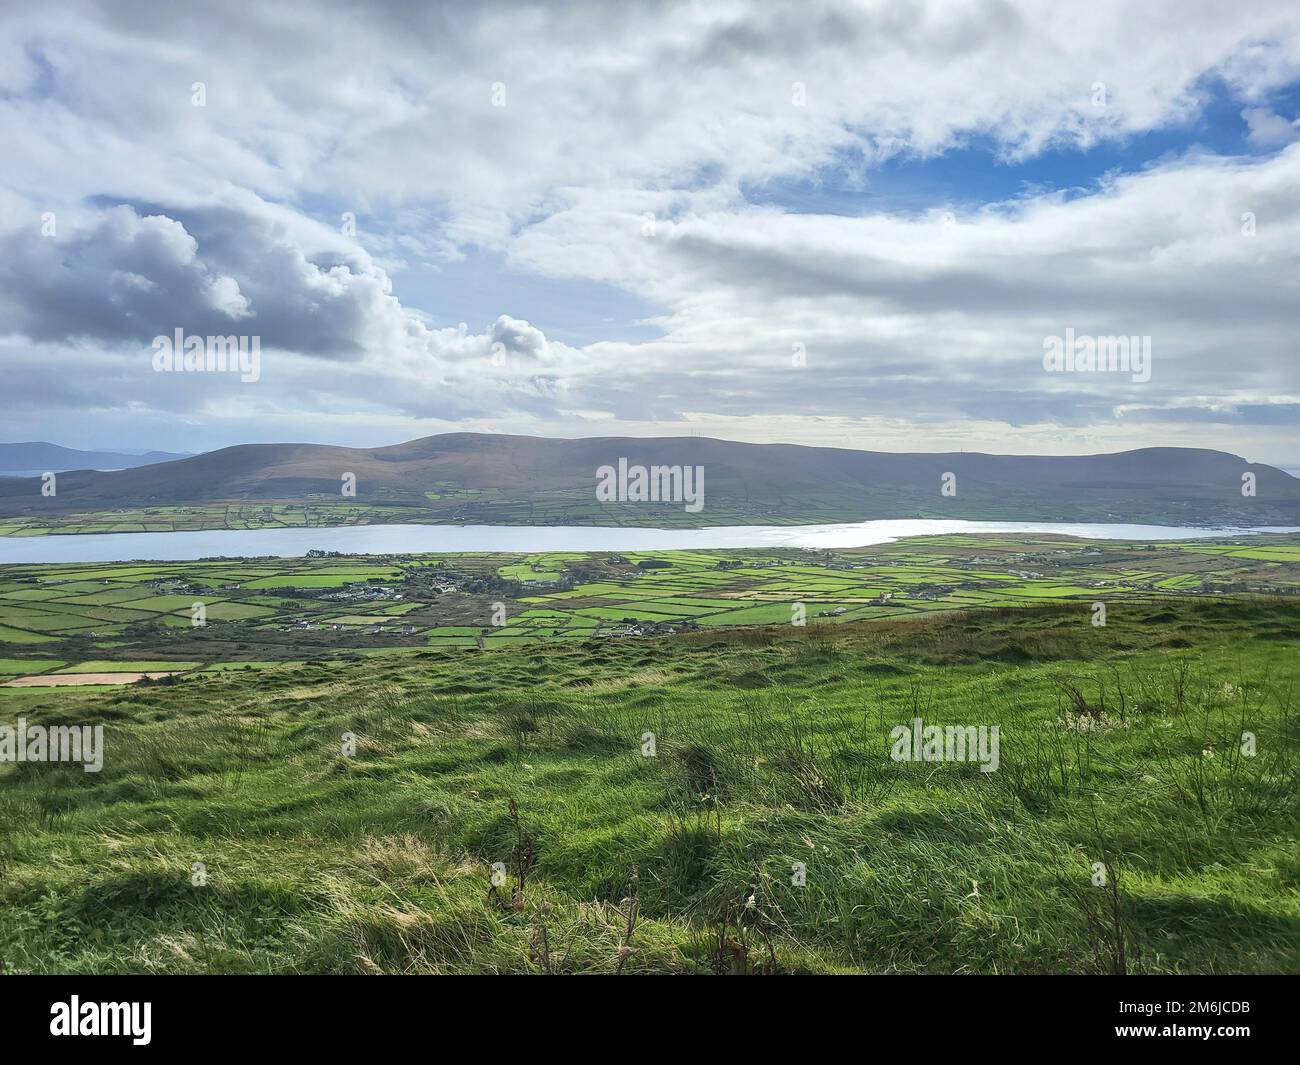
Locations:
(771, 830)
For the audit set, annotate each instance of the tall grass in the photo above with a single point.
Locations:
(768, 831)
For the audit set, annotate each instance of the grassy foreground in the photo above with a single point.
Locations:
(1119, 745)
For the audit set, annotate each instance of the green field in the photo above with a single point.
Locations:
(1121, 750)
(175, 518)
(769, 683)
(117, 666)
(295, 609)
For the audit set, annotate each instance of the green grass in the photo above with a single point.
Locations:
(1119, 745)
(24, 666)
(222, 667)
(109, 666)
(21, 636)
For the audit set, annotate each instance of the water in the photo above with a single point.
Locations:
(415, 539)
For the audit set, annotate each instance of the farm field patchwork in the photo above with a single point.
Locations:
(295, 609)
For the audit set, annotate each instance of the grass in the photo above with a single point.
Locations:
(128, 666)
(231, 830)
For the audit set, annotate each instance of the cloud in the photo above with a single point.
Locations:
(918, 313)
(127, 276)
(397, 104)
(226, 218)
(518, 337)
(1268, 130)
(136, 273)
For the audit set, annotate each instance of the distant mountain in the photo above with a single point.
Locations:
(37, 457)
(474, 478)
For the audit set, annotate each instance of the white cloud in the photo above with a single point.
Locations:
(228, 214)
(1268, 130)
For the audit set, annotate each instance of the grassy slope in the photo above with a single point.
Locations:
(772, 749)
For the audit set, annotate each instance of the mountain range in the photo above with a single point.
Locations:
(503, 479)
(33, 458)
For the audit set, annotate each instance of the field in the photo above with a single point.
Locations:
(767, 830)
(680, 762)
(196, 517)
(465, 507)
(299, 609)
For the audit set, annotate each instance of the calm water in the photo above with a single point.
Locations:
(412, 539)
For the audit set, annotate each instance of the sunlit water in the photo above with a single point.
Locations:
(414, 539)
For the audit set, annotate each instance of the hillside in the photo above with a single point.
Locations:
(35, 457)
(770, 828)
(465, 477)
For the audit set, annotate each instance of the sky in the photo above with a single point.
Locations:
(857, 225)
